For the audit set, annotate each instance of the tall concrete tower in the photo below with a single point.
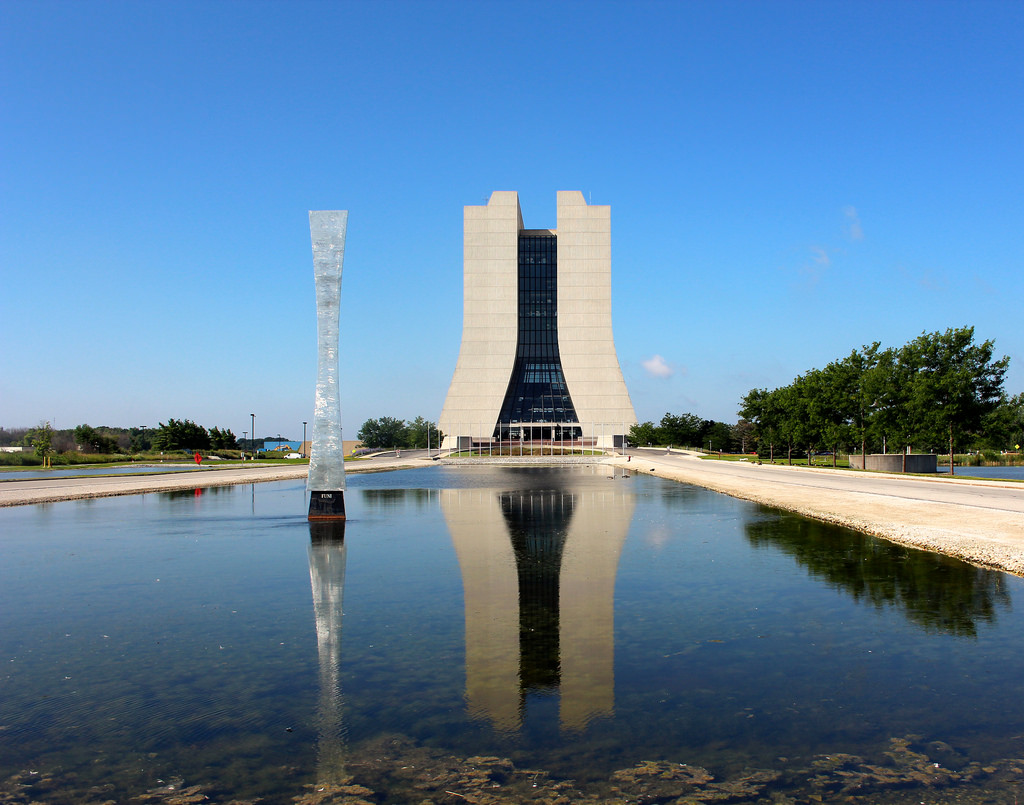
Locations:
(537, 359)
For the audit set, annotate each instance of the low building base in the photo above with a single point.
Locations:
(327, 505)
(893, 462)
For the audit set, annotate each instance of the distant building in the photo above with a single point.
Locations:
(537, 360)
(348, 446)
(282, 445)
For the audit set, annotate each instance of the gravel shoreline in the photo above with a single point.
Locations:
(922, 513)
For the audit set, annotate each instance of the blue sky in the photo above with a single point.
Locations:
(788, 181)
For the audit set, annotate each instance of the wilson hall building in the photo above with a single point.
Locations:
(537, 361)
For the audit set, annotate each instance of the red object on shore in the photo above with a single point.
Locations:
(199, 458)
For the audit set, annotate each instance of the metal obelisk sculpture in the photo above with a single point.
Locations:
(326, 480)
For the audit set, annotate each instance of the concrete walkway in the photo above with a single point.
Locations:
(50, 490)
(979, 521)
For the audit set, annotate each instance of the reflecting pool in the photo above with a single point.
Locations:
(1014, 473)
(492, 635)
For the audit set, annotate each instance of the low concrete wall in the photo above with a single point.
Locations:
(893, 462)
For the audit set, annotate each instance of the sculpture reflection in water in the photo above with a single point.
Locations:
(327, 578)
(938, 593)
(538, 573)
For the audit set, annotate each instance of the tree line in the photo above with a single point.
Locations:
(388, 432)
(175, 434)
(45, 440)
(184, 434)
(939, 392)
(690, 430)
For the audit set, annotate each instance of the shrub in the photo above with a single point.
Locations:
(20, 460)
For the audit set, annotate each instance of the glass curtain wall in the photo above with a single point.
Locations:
(537, 403)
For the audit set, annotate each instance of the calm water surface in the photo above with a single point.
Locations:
(495, 635)
(1007, 473)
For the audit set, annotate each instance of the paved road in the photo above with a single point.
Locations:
(997, 495)
(50, 490)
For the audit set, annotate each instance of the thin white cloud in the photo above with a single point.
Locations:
(816, 265)
(928, 278)
(853, 227)
(657, 366)
(933, 280)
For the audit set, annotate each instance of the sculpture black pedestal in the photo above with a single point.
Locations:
(327, 505)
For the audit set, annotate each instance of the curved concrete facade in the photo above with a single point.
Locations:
(490, 325)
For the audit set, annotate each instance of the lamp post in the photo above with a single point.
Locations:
(245, 435)
(253, 436)
(303, 439)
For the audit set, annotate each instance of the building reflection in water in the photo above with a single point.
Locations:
(327, 578)
(538, 572)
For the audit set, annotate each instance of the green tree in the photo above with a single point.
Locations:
(92, 441)
(760, 408)
(862, 368)
(1015, 418)
(13, 437)
(956, 384)
(1004, 426)
(40, 439)
(180, 434)
(682, 430)
(743, 436)
(794, 426)
(222, 439)
(808, 412)
(716, 435)
(770, 425)
(814, 389)
(418, 431)
(384, 432)
(140, 439)
(643, 433)
(887, 384)
(941, 388)
(832, 404)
